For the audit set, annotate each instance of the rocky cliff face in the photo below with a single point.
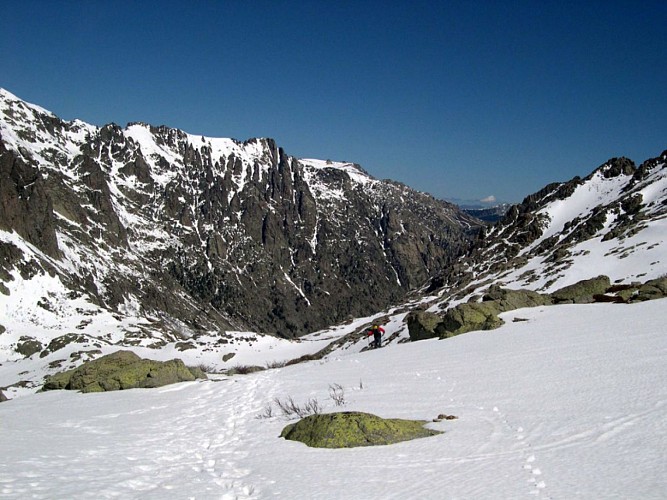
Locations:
(172, 235)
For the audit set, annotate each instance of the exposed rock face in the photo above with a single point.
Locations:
(352, 429)
(196, 234)
(28, 346)
(25, 205)
(122, 370)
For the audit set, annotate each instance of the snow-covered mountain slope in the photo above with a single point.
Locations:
(151, 237)
(613, 223)
(569, 404)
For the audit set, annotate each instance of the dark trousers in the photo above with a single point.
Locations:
(377, 340)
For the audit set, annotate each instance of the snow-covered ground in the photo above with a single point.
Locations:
(568, 404)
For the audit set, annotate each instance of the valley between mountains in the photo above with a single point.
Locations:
(533, 349)
(172, 245)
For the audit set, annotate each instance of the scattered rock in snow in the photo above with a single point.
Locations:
(444, 416)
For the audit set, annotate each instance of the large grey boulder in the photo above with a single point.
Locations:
(122, 370)
(470, 317)
(508, 299)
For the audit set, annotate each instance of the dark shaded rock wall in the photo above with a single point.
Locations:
(239, 236)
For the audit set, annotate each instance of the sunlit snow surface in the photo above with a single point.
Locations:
(568, 404)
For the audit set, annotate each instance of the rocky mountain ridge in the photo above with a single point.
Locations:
(151, 236)
(612, 222)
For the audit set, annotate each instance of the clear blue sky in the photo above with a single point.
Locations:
(459, 99)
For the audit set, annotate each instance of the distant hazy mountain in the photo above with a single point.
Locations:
(490, 214)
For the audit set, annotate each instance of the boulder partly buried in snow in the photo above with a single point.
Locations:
(352, 429)
(423, 325)
(654, 289)
(471, 316)
(582, 292)
(122, 370)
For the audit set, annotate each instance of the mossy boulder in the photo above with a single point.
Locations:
(122, 370)
(509, 300)
(352, 429)
(469, 317)
(473, 315)
(653, 289)
(423, 325)
(582, 292)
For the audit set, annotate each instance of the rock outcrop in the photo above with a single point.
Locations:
(472, 315)
(352, 429)
(122, 370)
(483, 315)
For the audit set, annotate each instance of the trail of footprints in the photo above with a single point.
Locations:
(536, 484)
(219, 453)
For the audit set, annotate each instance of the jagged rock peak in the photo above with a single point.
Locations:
(204, 234)
(615, 167)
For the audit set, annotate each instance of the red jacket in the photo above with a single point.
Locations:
(378, 328)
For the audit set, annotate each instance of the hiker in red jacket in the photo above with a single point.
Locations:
(376, 331)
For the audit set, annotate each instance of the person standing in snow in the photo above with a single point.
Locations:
(376, 331)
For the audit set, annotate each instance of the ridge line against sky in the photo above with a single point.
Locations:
(465, 100)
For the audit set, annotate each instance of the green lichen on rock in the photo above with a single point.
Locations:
(471, 316)
(582, 292)
(352, 429)
(653, 289)
(423, 325)
(509, 300)
(122, 370)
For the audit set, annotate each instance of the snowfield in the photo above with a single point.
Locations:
(569, 403)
